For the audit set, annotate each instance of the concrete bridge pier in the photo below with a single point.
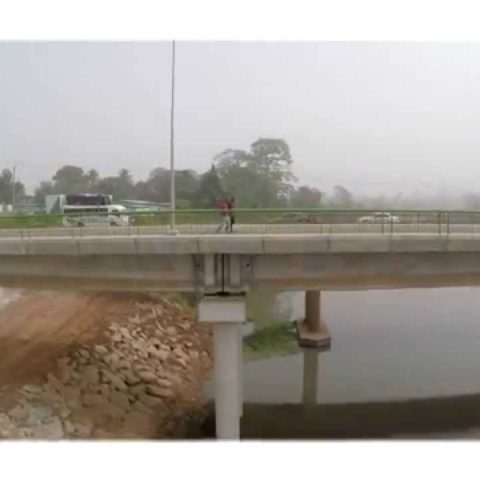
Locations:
(311, 360)
(312, 331)
(313, 337)
(226, 313)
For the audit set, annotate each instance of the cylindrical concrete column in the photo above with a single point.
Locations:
(240, 371)
(227, 379)
(226, 314)
(312, 310)
(310, 376)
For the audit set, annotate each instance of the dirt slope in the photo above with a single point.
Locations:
(38, 328)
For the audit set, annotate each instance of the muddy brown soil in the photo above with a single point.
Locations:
(134, 363)
(41, 326)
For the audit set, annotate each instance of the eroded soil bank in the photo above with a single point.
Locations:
(100, 365)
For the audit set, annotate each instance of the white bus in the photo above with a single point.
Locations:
(92, 210)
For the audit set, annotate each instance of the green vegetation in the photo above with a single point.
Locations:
(30, 221)
(275, 339)
(261, 176)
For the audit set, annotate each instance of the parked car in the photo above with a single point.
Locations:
(379, 217)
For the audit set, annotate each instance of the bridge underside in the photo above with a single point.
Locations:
(190, 273)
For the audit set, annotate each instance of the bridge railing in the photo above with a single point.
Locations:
(259, 220)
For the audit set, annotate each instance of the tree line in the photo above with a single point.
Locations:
(260, 177)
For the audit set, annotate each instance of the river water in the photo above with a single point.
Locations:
(386, 345)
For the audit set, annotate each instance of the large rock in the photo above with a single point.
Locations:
(101, 350)
(54, 382)
(161, 355)
(64, 413)
(114, 379)
(32, 391)
(38, 414)
(122, 364)
(116, 337)
(69, 427)
(137, 390)
(194, 355)
(8, 429)
(105, 390)
(147, 376)
(112, 359)
(53, 430)
(84, 353)
(173, 377)
(152, 401)
(53, 396)
(91, 399)
(171, 331)
(72, 396)
(120, 399)
(83, 429)
(135, 320)
(157, 391)
(130, 378)
(90, 375)
(141, 407)
(18, 413)
(179, 353)
(164, 383)
(125, 333)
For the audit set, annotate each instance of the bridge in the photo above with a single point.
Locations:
(221, 268)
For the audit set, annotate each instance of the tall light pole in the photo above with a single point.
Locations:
(14, 168)
(172, 147)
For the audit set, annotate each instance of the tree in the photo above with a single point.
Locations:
(186, 186)
(92, 177)
(209, 189)
(305, 197)
(157, 186)
(342, 197)
(271, 156)
(125, 184)
(6, 187)
(259, 177)
(45, 188)
(70, 179)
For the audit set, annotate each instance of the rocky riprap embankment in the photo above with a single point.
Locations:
(142, 381)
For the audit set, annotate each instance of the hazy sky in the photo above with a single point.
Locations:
(373, 117)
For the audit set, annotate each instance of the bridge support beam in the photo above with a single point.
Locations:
(226, 313)
(313, 338)
(311, 359)
(312, 331)
(313, 311)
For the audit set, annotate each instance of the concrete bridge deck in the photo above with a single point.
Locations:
(236, 263)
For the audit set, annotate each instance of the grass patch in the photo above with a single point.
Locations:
(275, 339)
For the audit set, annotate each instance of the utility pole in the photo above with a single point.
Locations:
(173, 230)
(14, 168)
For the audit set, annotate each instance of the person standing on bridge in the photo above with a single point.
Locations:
(231, 206)
(223, 207)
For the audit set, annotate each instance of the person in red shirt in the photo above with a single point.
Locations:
(224, 225)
